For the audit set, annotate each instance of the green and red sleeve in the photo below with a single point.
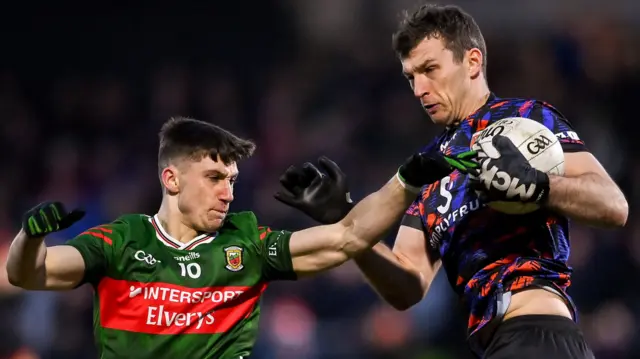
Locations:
(96, 245)
(277, 263)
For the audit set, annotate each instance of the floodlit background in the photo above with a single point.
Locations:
(85, 86)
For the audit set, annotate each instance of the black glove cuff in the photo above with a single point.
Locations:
(542, 188)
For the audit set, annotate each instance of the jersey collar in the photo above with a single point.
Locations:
(169, 241)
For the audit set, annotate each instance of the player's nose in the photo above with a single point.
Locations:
(421, 86)
(226, 193)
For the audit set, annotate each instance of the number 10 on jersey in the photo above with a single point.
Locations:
(190, 269)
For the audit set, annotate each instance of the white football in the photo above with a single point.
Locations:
(536, 143)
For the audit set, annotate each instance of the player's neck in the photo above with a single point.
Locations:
(477, 98)
(171, 221)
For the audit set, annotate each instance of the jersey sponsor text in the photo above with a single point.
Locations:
(163, 308)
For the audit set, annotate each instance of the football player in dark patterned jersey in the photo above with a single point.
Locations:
(187, 281)
(510, 271)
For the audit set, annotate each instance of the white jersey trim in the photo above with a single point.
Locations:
(167, 240)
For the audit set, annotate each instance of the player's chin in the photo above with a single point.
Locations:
(214, 221)
(439, 118)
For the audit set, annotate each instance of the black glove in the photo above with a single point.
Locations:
(509, 177)
(427, 167)
(49, 217)
(323, 197)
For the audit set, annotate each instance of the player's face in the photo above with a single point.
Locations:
(206, 190)
(439, 82)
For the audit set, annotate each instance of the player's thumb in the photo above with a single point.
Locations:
(503, 143)
(333, 170)
(287, 199)
(72, 217)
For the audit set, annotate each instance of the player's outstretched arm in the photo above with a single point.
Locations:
(323, 247)
(31, 265)
(401, 276)
(325, 198)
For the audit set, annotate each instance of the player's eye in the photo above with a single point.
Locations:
(233, 181)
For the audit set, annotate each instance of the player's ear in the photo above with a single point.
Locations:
(474, 61)
(170, 180)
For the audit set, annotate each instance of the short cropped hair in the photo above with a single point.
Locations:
(182, 137)
(458, 30)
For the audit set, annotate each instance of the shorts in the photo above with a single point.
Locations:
(538, 337)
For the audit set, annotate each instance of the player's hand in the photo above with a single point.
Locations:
(509, 177)
(427, 167)
(49, 217)
(322, 196)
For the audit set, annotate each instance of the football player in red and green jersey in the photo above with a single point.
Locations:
(186, 282)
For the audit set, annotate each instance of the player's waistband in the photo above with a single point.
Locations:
(556, 322)
(480, 337)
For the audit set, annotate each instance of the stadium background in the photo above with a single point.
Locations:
(84, 90)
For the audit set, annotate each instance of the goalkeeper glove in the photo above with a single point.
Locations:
(49, 217)
(509, 177)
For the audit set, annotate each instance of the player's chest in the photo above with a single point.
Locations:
(223, 262)
(450, 201)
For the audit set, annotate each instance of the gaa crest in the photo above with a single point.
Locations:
(233, 256)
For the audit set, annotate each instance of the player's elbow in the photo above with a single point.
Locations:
(620, 214)
(13, 274)
(616, 209)
(407, 296)
(16, 280)
(12, 278)
(404, 301)
(404, 304)
(19, 277)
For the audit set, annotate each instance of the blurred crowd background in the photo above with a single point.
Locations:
(83, 92)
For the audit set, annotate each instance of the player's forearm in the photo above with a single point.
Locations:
(26, 261)
(588, 198)
(372, 217)
(395, 283)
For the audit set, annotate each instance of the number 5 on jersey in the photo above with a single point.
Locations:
(191, 269)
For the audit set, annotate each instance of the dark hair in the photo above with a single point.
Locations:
(182, 137)
(458, 30)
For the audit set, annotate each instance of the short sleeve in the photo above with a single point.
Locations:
(276, 256)
(412, 216)
(559, 125)
(96, 245)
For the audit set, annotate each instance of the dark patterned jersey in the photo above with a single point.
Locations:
(156, 297)
(488, 255)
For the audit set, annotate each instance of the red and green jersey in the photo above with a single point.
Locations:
(156, 297)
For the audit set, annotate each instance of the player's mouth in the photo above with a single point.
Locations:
(220, 213)
(431, 109)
